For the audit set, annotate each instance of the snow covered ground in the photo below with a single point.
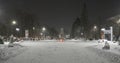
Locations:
(69, 51)
(114, 47)
(8, 52)
(113, 54)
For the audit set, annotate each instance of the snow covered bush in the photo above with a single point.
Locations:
(106, 46)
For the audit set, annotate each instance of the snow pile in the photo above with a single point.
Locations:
(114, 47)
(113, 54)
(7, 52)
(114, 58)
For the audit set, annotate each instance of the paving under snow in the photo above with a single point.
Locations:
(113, 54)
(70, 51)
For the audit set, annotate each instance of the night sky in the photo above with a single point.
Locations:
(61, 13)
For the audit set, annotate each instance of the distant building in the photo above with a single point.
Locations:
(80, 26)
(77, 29)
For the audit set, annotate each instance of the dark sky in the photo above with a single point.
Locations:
(62, 13)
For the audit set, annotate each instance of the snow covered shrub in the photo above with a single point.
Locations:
(106, 46)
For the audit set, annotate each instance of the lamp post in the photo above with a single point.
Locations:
(33, 28)
(13, 23)
(12, 36)
(34, 32)
(43, 30)
(95, 29)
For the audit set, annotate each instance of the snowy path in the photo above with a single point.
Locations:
(56, 52)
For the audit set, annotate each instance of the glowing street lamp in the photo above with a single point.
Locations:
(33, 28)
(14, 22)
(95, 30)
(18, 29)
(95, 27)
(81, 33)
(103, 29)
(43, 28)
(41, 34)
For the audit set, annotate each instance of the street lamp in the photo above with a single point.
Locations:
(43, 29)
(33, 34)
(14, 22)
(41, 34)
(95, 29)
(18, 29)
(103, 29)
(33, 28)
